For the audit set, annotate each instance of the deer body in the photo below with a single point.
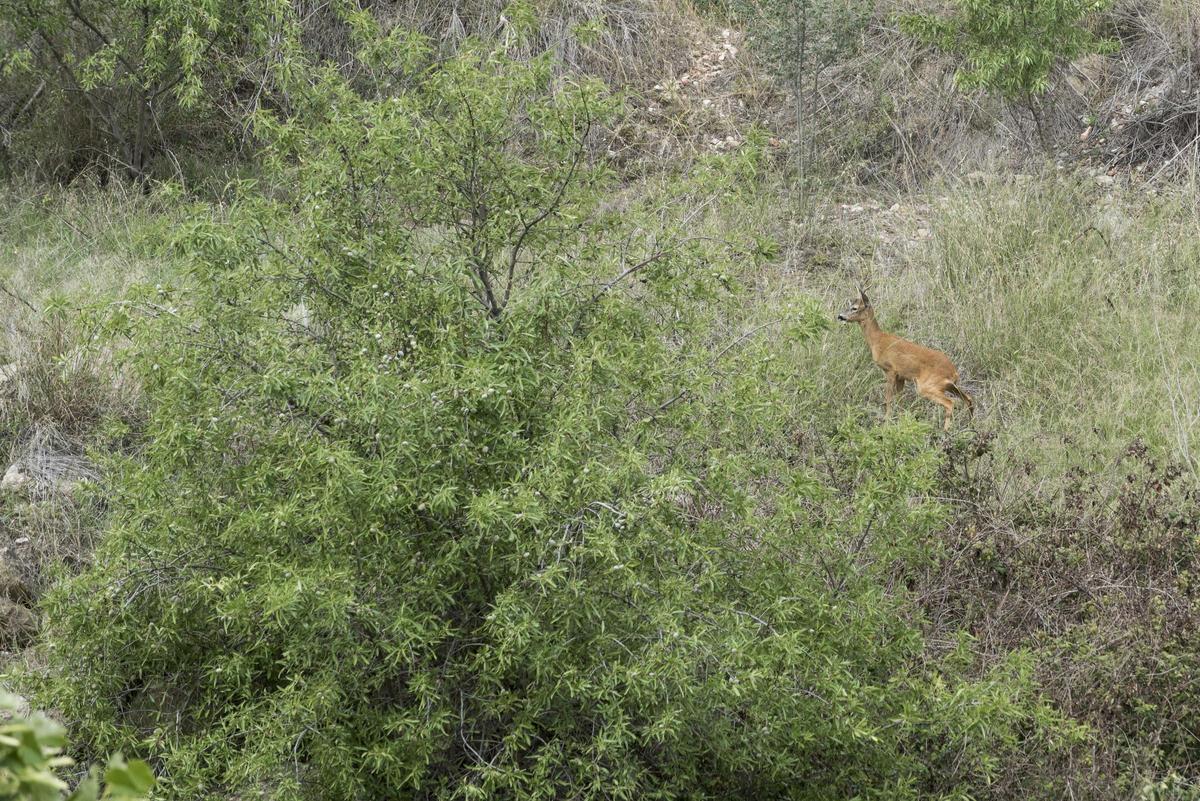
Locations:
(931, 371)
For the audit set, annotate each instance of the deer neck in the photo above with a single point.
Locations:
(872, 332)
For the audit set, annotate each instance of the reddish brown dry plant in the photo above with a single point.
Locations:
(1094, 572)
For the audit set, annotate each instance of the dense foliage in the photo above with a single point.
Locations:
(453, 487)
(1012, 47)
(120, 83)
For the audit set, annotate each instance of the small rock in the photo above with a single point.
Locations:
(14, 478)
(924, 233)
(7, 371)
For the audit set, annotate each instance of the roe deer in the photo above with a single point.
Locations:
(931, 370)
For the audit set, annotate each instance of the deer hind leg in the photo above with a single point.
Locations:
(941, 398)
(957, 390)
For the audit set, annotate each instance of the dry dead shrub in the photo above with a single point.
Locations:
(1150, 107)
(1094, 572)
(638, 40)
(885, 107)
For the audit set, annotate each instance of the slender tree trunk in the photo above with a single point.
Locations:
(1036, 113)
(800, 20)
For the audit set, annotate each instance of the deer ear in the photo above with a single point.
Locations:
(863, 297)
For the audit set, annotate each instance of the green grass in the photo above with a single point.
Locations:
(1068, 309)
(80, 243)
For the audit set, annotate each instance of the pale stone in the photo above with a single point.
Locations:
(14, 478)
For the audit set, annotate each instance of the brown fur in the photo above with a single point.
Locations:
(931, 371)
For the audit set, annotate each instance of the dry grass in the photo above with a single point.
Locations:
(59, 377)
(889, 111)
(1145, 105)
(640, 40)
(48, 524)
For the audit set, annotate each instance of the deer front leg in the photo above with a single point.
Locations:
(894, 384)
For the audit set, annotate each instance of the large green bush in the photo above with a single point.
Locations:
(452, 488)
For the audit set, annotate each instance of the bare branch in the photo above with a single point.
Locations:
(552, 207)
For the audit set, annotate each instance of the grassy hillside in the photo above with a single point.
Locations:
(354, 479)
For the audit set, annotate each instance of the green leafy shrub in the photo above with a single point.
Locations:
(30, 755)
(453, 486)
(128, 80)
(1012, 47)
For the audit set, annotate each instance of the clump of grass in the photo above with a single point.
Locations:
(52, 524)
(80, 242)
(58, 378)
(57, 393)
